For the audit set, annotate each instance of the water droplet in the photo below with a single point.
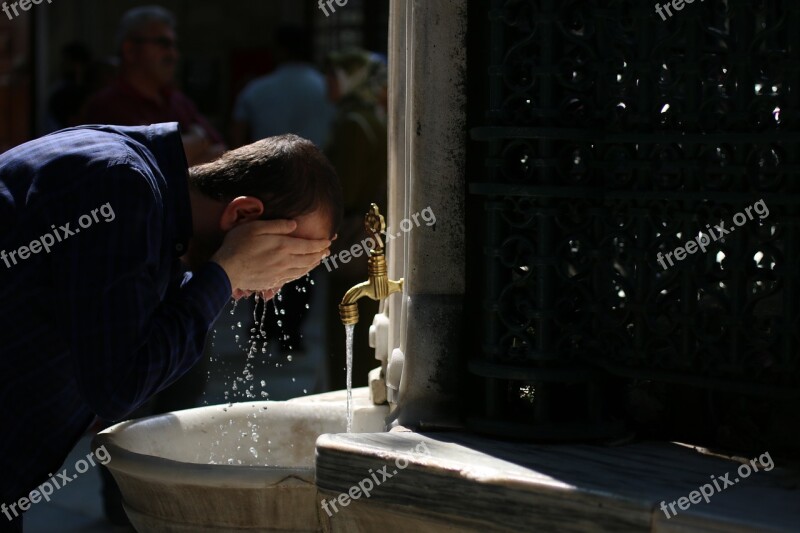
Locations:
(289, 358)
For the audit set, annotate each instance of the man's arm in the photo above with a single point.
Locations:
(128, 340)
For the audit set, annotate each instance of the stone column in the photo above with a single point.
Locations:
(428, 136)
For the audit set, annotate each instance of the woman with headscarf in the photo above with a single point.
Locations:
(357, 84)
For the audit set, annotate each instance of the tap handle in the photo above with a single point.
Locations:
(375, 225)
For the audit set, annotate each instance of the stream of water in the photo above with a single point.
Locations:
(349, 342)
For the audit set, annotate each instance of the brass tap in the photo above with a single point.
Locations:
(378, 286)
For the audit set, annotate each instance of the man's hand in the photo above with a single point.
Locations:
(266, 295)
(261, 256)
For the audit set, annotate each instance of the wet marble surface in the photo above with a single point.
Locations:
(480, 484)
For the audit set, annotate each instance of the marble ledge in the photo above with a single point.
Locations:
(471, 483)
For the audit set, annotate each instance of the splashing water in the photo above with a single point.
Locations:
(348, 330)
(246, 384)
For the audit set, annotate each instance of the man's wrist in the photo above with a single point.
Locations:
(226, 267)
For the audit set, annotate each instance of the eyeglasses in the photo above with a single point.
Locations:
(164, 42)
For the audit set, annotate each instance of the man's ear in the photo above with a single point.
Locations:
(239, 211)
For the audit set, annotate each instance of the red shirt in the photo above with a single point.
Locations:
(122, 105)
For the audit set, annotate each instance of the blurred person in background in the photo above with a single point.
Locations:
(66, 105)
(358, 85)
(145, 92)
(81, 77)
(292, 99)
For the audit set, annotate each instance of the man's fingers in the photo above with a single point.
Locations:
(290, 245)
(296, 273)
(297, 246)
(238, 294)
(307, 261)
(273, 227)
(269, 294)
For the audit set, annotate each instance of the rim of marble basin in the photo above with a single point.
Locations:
(172, 471)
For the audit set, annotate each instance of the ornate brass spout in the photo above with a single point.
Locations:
(378, 285)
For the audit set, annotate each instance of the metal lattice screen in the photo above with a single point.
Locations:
(611, 138)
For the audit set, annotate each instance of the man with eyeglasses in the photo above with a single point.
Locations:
(145, 93)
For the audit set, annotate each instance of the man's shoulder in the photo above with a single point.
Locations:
(84, 143)
(305, 74)
(259, 84)
(287, 78)
(95, 146)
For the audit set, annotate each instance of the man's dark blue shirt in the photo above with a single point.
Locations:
(109, 315)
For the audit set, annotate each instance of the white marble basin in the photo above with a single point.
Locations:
(245, 467)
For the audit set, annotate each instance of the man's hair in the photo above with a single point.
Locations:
(288, 173)
(134, 21)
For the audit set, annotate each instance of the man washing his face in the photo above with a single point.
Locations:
(119, 311)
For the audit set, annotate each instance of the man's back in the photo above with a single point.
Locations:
(91, 220)
(293, 99)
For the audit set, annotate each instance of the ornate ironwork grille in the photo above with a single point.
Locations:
(612, 136)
